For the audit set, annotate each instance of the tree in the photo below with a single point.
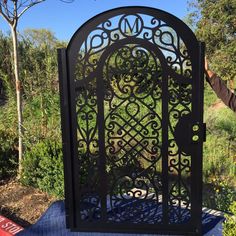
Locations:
(215, 24)
(11, 11)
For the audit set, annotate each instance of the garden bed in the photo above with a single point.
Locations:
(22, 204)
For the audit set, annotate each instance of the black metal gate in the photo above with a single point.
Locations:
(131, 83)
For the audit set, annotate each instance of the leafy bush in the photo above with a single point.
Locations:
(219, 194)
(8, 141)
(229, 227)
(43, 167)
(8, 155)
(225, 195)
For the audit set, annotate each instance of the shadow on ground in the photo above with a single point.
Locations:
(11, 215)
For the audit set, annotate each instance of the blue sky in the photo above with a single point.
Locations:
(64, 19)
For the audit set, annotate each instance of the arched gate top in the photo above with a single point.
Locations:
(183, 30)
(169, 33)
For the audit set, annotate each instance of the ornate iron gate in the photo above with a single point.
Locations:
(131, 83)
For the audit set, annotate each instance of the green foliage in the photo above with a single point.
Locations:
(8, 141)
(52, 180)
(215, 24)
(229, 227)
(40, 111)
(6, 72)
(224, 194)
(220, 193)
(220, 146)
(43, 160)
(8, 155)
(43, 167)
(219, 167)
(209, 96)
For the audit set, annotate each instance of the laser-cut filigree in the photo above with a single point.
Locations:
(134, 95)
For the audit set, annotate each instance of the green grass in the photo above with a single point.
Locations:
(219, 156)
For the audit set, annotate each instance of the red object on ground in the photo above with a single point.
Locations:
(8, 227)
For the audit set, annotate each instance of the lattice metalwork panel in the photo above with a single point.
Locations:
(131, 97)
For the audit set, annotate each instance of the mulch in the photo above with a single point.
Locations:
(22, 204)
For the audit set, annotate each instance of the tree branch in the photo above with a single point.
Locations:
(8, 13)
(29, 6)
(8, 19)
(15, 16)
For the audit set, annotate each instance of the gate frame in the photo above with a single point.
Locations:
(68, 121)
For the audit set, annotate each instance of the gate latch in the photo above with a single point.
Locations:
(197, 132)
(188, 133)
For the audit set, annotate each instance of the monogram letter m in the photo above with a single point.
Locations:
(128, 25)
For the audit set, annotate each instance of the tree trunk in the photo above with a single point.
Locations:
(18, 99)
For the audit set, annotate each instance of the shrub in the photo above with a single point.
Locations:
(8, 140)
(43, 167)
(229, 227)
(224, 194)
(8, 155)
